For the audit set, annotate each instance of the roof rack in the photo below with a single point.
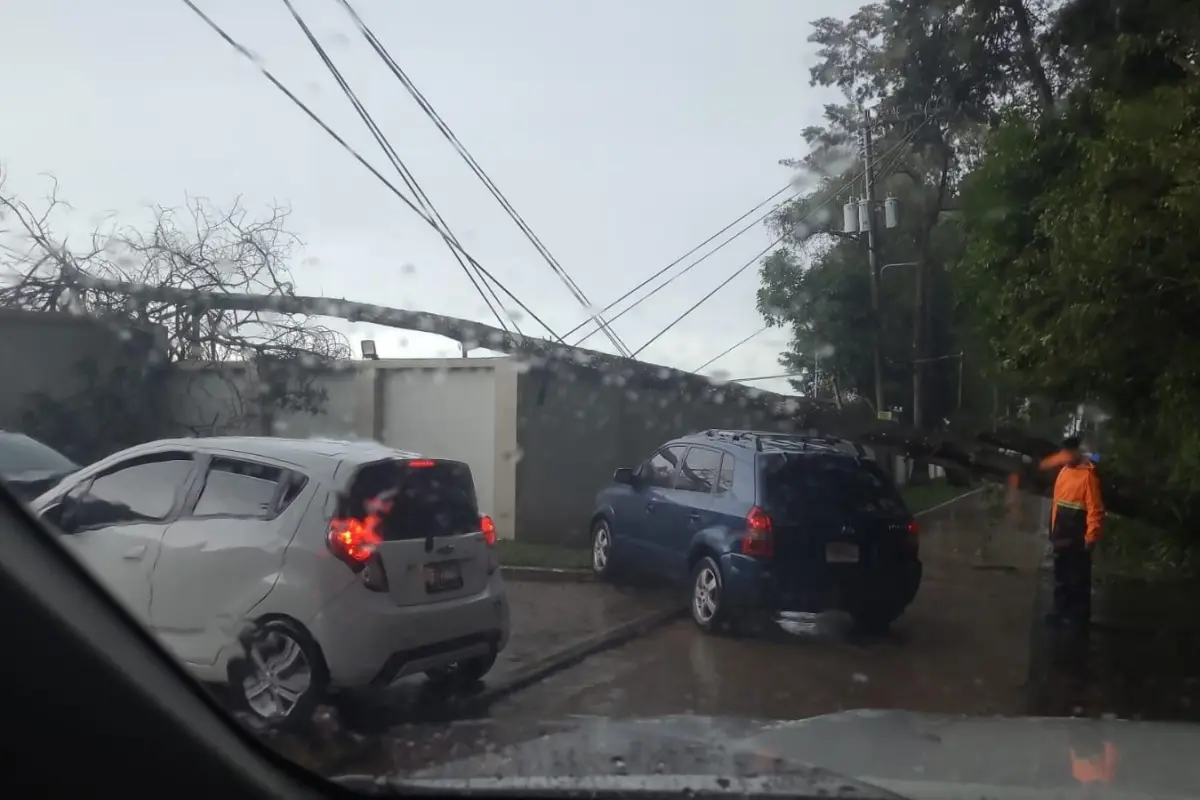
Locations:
(735, 436)
(810, 439)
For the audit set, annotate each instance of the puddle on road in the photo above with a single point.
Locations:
(1140, 660)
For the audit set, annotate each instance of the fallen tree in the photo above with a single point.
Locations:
(995, 455)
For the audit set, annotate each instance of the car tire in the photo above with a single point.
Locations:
(463, 673)
(707, 602)
(282, 678)
(604, 565)
(875, 622)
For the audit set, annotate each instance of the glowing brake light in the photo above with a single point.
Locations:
(420, 463)
(353, 540)
(758, 540)
(913, 527)
(489, 529)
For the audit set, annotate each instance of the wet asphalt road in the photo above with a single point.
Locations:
(963, 646)
(970, 644)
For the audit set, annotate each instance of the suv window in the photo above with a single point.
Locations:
(237, 488)
(798, 484)
(660, 469)
(725, 479)
(699, 471)
(144, 490)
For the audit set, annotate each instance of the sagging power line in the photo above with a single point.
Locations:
(731, 348)
(830, 198)
(450, 136)
(406, 175)
(690, 266)
(361, 160)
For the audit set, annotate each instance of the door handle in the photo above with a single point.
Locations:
(694, 517)
(650, 507)
(135, 553)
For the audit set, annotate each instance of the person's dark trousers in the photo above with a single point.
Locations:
(1073, 582)
(1072, 566)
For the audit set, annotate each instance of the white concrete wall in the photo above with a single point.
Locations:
(463, 409)
(451, 408)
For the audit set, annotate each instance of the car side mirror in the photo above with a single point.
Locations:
(624, 475)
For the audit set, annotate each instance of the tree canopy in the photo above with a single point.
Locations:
(1044, 155)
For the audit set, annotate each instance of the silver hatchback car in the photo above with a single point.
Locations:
(292, 568)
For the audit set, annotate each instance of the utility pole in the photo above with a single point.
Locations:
(873, 260)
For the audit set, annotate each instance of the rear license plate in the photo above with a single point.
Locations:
(841, 553)
(442, 577)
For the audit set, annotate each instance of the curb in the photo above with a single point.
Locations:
(569, 656)
(547, 574)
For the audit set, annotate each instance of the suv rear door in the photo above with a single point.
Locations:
(831, 509)
(431, 543)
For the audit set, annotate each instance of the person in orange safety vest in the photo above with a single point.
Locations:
(1076, 517)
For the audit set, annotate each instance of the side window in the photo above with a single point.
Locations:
(236, 488)
(660, 469)
(725, 479)
(144, 490)
(699, 471)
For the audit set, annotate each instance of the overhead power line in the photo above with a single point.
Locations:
(360, 159)
(729, 350)
(427, 107)
(406, 175)
(780, 239)
(767, 377)
(689, 267)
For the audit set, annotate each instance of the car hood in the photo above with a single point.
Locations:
(32, 483)
(857, 753)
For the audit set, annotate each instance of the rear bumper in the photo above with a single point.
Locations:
(369, 641)
(755, 585)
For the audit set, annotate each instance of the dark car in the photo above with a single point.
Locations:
(29, 467)
(763, 522)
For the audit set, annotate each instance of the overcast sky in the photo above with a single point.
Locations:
(625, 132)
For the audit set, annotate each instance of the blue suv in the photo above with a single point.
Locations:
(762, 522)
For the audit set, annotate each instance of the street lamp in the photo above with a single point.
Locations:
(886, 267)
(961, 360)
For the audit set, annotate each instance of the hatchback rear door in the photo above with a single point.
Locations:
(430, 539)
(831, 509)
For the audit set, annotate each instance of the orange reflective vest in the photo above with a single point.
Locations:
(1078, 508)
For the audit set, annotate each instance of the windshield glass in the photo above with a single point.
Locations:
(20, 454)
(692, 389)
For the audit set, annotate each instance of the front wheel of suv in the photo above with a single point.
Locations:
(603, 566)
(708, 601)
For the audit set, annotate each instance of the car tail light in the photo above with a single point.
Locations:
(353, 540)
(489, 529)
(913, 528)
(421, 463)
(758, 540)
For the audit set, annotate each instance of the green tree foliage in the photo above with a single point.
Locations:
(1081, 266)
(1046, 163)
